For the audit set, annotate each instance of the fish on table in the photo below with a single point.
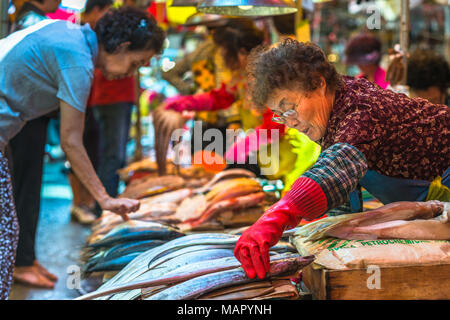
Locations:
(121, 245)
(195, 279)
(223, 200)
(149, 186)
(399, 220)
(183, 259)
(231, 198)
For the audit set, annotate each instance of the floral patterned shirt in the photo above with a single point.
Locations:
(400, 137)
(374, 129)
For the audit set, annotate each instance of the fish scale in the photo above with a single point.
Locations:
(183, 257)
(121, 250)
(125, 236)
(195, 287)
(135, 267)
(187, 263)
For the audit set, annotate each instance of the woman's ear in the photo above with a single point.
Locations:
(243, 52)
(323, 85)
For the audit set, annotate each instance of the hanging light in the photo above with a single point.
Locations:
(185, 3)
(209, 20)
(247, 7)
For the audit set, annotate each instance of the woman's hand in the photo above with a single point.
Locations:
(120, 206)
(252, 248)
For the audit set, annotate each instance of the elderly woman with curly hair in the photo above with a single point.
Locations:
(392, 145)
(48, 66)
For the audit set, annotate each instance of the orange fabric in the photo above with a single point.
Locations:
(209, 160)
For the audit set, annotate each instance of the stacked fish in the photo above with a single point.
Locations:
(151, 209)
(149, 186)
(113, 243)
(202, 266)
(122, 244)
(149, 168)
(399, 220)
(231, 199)
(228, 204)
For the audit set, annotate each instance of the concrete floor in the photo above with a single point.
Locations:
(58, 240)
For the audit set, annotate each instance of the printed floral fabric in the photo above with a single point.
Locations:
(204, 75)
(9, 230)
(400, 137)
(205, 81)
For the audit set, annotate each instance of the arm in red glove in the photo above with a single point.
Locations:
(210, 101)
(324, 186)
(239, 151)
(305, 200)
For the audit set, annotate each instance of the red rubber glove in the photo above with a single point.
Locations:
(210, 101)
(240, 150)
(305, 200)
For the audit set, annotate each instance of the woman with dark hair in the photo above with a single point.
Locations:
(428, 76)
(394, 146)
(235, 40)
(49, 66)
(364, 50)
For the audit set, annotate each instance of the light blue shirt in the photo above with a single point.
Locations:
(50, 61)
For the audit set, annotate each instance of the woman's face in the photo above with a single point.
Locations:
(432, 94)
(313, 110)
(122, 63)
(241, 59)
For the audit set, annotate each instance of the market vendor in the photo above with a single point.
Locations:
(234, 41)
(50, 65)
(396, 147)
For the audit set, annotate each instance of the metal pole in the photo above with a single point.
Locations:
(404, 35)
(447, 32)
(4, 4)
(316, 27)
(298, 18)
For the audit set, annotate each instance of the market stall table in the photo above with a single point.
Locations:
(403, 282)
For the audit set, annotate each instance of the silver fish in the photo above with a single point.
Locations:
(140, 265)
(193, 288)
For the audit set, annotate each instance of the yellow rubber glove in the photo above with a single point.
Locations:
(282, 162)
(306, 151)
(438, 191)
